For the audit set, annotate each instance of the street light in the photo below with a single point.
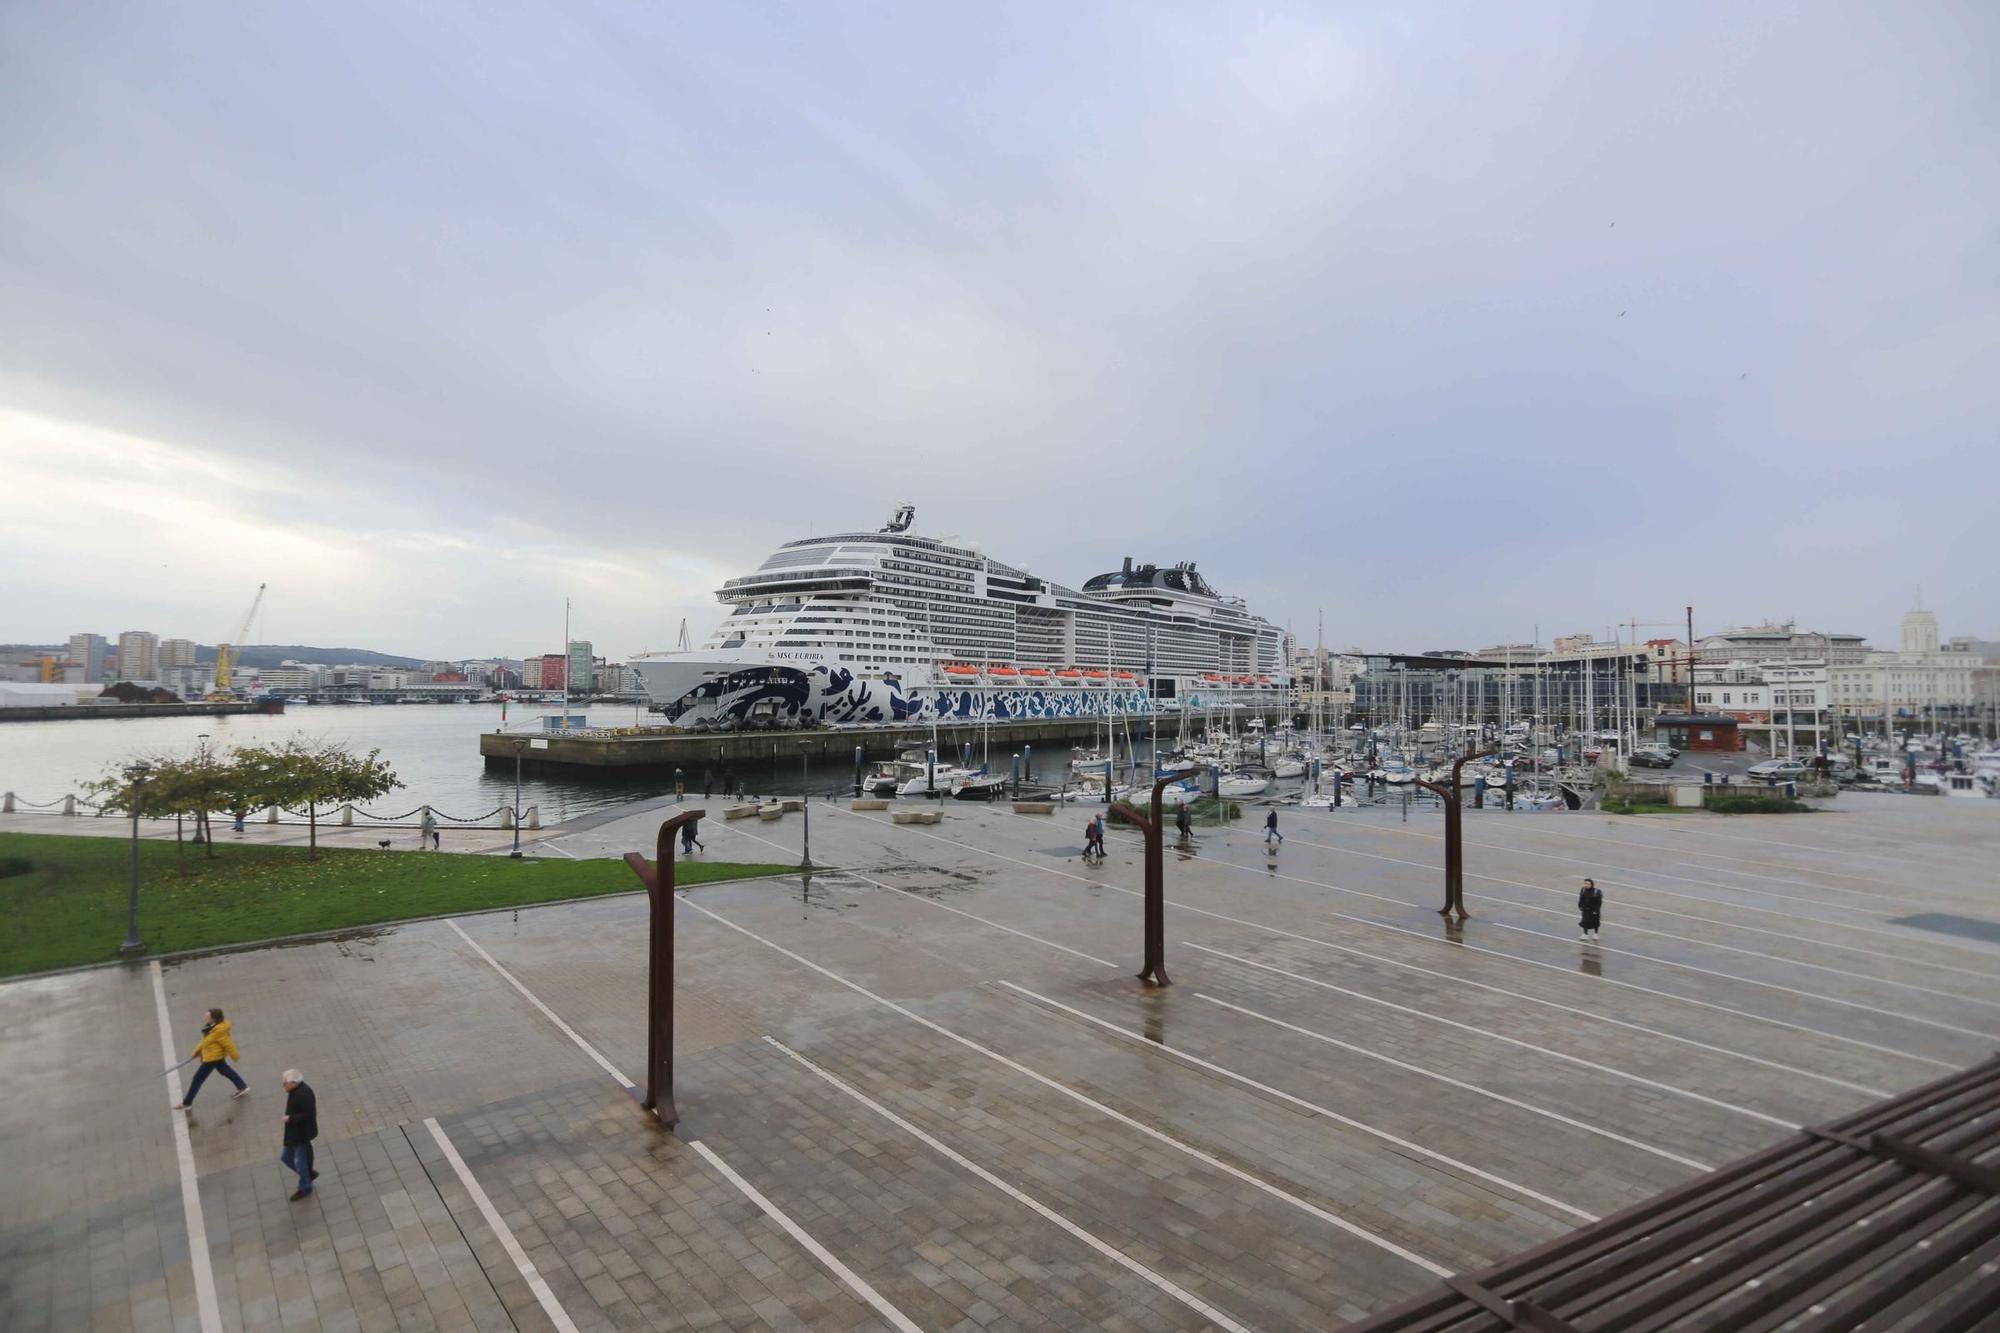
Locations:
(519, 746)
(806, 804)
(137, 773)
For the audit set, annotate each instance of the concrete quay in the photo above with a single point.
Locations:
(658, 751)
(924, 1091)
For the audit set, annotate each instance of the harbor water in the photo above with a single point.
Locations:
(433, 748)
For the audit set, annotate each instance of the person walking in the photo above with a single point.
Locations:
(1590, 904)
(425, 828)
(215, 1050)
(689, 842)
(437, 841)
(301, 1128)
(680, 784)
(1271, 829)
(1183, 823)
(1093, 838)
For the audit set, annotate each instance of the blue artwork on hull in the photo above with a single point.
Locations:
(834, 695)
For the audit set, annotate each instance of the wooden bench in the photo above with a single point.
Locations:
(739, 811)
(919, 816)
(791, 805)
(775, 810)
(1034, 807)
(867, 804)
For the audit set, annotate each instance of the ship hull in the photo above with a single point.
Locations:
(690, 688)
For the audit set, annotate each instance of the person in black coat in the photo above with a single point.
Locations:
(301, 1128)
(1590, 904)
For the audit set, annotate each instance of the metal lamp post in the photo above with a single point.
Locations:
(132, 945)
(519, 746)
(806, 803)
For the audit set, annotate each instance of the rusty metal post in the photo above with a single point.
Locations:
(1454, 836)
(1154, 973)
(658, 877)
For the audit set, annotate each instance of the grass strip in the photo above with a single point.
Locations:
(63, 899)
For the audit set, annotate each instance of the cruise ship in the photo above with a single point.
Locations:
(890, 626)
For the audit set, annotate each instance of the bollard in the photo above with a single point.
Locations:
(1015, 776)
(506, 817)
(271, 815)
(347, 816)
(1028, 762)
(69, 805)
(534, 816)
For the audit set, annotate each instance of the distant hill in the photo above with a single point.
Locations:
(276, 654)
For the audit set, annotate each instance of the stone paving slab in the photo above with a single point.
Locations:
(636, 1230)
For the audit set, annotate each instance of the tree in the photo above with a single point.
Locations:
(312, 774)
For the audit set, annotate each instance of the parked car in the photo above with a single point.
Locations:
(1652, 759)
(1777, 770)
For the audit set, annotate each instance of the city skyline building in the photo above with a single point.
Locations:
(138, 655)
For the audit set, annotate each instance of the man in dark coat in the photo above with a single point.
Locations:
(301, 1128)
(1589, 903)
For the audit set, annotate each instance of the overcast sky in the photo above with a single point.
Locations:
(1449, 322)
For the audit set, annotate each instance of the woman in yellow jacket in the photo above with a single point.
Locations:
(215, 1050)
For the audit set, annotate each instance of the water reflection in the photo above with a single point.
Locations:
(1590, 964)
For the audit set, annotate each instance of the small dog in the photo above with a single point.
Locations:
(383, 844)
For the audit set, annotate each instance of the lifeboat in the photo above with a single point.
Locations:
(960, 669)
(1239, 680)
(1069, 673)
(1211, 676)
(1091, 673)
(1000, 671)
(1263, 680)
(1123, 675)
(1034, 673)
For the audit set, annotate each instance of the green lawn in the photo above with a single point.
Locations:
(68, 905)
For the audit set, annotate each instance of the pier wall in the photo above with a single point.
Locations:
(658, 753)
(71, 712)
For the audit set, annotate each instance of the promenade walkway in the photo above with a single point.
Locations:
(924, 1090)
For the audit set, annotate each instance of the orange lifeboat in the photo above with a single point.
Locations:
(1091, 673)
(1123, 675)
(1000, 671)
(960, 669)
(1069, 673)
(1263, 680)
(1211, 676)
(1037, 672)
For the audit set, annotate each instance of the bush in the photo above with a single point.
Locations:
(1756, 805)
(11, 866)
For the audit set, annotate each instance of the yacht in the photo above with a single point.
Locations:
(891, 626)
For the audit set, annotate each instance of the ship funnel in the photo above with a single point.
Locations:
(1128, 564)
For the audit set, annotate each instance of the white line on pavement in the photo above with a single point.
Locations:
(547, 1012)
(1257, 1182)
(1516, 958)
(1089, 958)
(1768, 985)
(505, 1234)
(855, 1283)
(197, 1226)
(1460, 1083)
(1104, 1248)
(817, 1250)
(1268, 872)
(1315, 1108)
(1657, 1086)
(1735, 927)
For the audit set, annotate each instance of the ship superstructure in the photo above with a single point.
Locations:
(890, 625)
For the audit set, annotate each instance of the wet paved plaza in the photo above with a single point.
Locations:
(925, 1091)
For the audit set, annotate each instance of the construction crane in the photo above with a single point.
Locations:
(224, 659)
